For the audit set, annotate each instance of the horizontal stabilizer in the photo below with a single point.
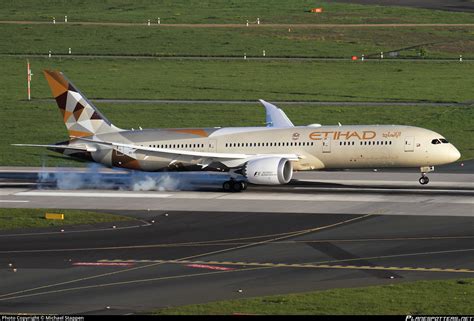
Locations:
(83, 148)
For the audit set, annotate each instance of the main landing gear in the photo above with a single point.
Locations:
(424, 179)
(234, 186)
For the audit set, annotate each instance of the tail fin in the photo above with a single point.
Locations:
(80, 116)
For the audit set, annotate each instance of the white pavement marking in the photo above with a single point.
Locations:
(385, 190)
(316, 197)
(12, 201)
(388, 183)
(325, 197)
(95, 194)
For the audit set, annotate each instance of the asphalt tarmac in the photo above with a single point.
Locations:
(197, 257)
(325, 230)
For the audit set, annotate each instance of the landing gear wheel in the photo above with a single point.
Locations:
(227, 186)
(237, 186)
(234, 186)
(424, 180)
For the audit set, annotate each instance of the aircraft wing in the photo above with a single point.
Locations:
(83, 148)
(275, 117)
(229, 159)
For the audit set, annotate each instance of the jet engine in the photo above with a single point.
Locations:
(268, 171)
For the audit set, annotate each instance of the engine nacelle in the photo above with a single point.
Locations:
(268, 171)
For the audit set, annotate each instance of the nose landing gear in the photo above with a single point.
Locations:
(424, 179)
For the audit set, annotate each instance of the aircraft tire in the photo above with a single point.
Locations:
(237, 186)
(227, 186)
(424, 180)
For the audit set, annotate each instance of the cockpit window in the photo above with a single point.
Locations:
(435, 141)
(444, 141)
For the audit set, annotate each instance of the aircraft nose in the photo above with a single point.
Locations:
(454, 154)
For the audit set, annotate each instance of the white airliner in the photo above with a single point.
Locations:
(258, 155)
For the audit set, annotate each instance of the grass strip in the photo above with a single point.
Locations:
(443, 297)
(14, 218)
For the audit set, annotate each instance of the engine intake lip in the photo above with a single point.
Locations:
(285, 171)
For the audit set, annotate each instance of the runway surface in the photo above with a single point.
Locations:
(325, 230)
(398, 193)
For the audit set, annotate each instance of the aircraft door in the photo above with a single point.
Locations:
(326, 145)
(212, 146)
(409, 144)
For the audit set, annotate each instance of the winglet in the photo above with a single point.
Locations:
(274, 116)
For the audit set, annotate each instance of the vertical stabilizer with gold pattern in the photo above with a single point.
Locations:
(80, 116)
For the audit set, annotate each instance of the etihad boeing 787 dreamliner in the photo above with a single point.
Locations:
(264, 155)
